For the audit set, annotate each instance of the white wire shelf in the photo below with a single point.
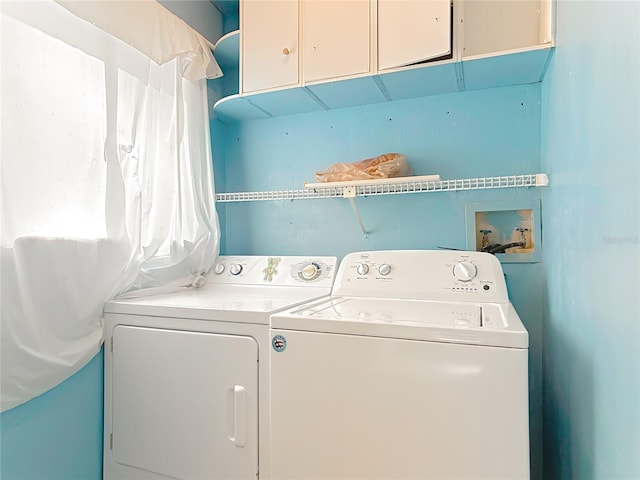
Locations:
(390, 188)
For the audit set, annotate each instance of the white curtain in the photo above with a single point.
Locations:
(106, 186)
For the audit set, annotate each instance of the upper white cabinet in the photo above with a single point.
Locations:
(504, 42)
(489, 27)
(336, 38)
(411, 31)
(269, 44)
(307, 55)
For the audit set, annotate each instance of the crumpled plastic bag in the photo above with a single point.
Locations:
(387, 165)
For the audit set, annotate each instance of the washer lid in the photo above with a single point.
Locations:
(452, 322)
(396, 312)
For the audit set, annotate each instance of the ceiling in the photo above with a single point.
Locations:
(226, 7)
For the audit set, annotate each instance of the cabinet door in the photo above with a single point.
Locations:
(269, 38)
(495, 26)
(410, 31)
(184, 404)
(336, 38)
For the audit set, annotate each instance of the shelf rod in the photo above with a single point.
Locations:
(391, 188)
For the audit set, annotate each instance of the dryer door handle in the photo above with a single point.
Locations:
(239, 437)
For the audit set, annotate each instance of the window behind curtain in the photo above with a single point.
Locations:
(106, 186)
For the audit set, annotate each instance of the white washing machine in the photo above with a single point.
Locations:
(414, 368)
(187, 373)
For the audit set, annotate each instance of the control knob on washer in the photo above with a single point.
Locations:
(362, 269)
(465, 271)
(384, 269)
(235, 269)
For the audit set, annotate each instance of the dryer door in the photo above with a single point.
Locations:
(185, 403)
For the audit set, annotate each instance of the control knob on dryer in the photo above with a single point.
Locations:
(310, 271)
(465, 271)
(235, 269)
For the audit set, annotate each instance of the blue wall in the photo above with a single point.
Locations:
(591, 213)
(471, 134)
(202, 16)
(57, 435)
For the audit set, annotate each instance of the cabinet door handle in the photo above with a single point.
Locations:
(286, 51)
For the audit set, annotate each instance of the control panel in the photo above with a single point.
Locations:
(273, 270)
(422, 274)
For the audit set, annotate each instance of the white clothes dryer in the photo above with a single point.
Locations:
(187, 373)
(414, 368)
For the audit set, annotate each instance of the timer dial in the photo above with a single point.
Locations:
(310, 271)
(465, 271)
(235, 269)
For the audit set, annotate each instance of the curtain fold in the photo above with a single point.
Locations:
(153, 30)
(107, 186)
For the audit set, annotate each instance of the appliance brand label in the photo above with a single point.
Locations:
(279, 343)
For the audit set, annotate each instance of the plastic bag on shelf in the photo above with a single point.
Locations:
(387, 165)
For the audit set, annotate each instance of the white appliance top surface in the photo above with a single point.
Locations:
(461, 322)
(223, 297)
(418, 295)
(396, 312)
(249, 296)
